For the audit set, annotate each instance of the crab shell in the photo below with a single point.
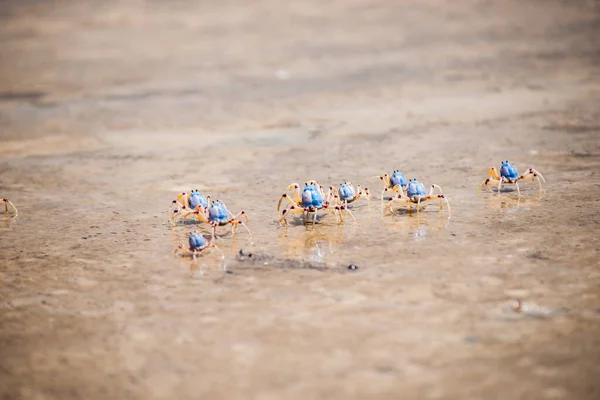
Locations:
(197, 241)
(312, 197)
(218, 213)
(415, 189)
(508, 170)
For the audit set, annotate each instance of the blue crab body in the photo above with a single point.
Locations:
(217, 213)
(508, 171)
(312, 197)
(197, 241)
(397, 179)
(197, 199)
(346, 192)
(415, 190)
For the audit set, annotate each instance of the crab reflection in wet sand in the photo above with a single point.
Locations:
(418, 225)
(512, 203)
(509, 174)
(312, 244)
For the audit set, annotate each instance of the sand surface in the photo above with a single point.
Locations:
(109, 109)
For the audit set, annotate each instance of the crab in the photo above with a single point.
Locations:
(416, 194)
(310, 200)
(198, 243)
(394, 183)
(7, 202)
(191, 201)
(347, 194)
(217, 214)
(509, 174)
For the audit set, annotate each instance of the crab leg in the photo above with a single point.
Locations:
(366, 194)
(386, 182)
(330, 194)
(181, 248)
(335, 210)
(434, 186)
(441, 197)
(494, 173)
(487, 182)
(7, 202)
(235, 221)
(185, 197)
(198, 214)
(535, 172)
(397, 189)
(286, 196)
(176, 214)
(339, 210)
(177, 204)
(288, 211)
(398, 199)
(386, 189)
(536, 175)
(296, 193)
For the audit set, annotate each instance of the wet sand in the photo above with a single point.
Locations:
(108, 110)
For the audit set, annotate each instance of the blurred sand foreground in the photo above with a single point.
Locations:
(108, 109)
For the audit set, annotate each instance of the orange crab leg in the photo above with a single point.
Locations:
(185, 197)
(198, 214)
(487, 182)
(494, 173)
(534, 175)
(339, 210)
(235, 221)
(288, 211)
(285, 196)
(6, 204)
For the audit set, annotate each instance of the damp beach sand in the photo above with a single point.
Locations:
(109, 109)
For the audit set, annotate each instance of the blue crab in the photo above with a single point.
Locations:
(417, 194)
(7, 203)
(197, 243)
(216, 214)
(393, 183)
(310, 200)
(347, 194)
(509, 174)
(185, 202)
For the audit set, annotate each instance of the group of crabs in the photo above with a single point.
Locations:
(204, 209)
(402, 194)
